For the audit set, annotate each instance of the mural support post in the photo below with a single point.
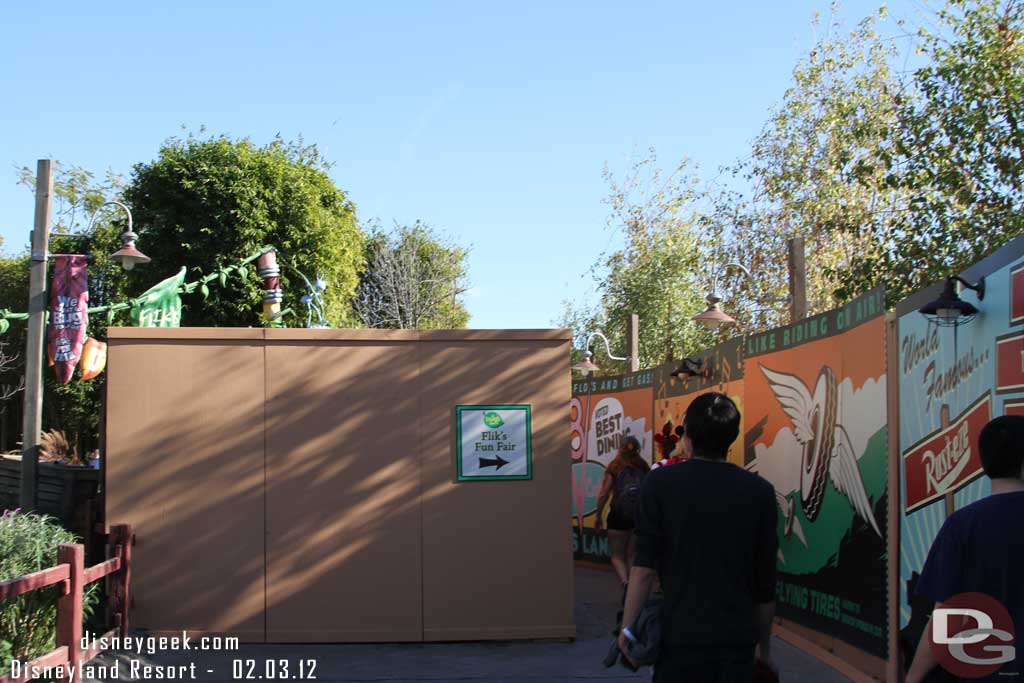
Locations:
(892, 666)
(633, 342)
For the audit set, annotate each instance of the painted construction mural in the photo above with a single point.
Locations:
(603, 412)
(722, 368)
(816, 430)
(813, 400)
(952, 381)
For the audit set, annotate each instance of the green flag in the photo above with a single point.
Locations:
(160, 306)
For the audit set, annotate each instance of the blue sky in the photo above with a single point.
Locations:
(489, 121)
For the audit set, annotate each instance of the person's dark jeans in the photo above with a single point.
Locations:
(704, 665)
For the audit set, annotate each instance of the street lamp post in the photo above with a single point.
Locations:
(32, 420)
(714, 315)
(588, 367)
(128, 256)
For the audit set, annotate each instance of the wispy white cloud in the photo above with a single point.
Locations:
(407, 150)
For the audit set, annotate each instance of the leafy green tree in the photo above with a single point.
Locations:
(414, 279)
(818, 169)
(895, 180)
(77, 193)
(892, 179)
(660, 271)
(959, 149)
(207, 203)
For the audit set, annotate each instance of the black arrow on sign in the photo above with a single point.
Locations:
(497, 463)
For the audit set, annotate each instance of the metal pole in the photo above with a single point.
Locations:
(633, 342)
(33, 406)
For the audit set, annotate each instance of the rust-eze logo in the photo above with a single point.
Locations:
(972, 635)
(941, 469)
(946, 459)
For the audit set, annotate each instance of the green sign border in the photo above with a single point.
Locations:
(459, 409)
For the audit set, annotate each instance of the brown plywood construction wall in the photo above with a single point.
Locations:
(490, 548)
(185, 465)
(343, 513)
(300, 485)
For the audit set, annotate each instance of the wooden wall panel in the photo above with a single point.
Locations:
(184, 466)
(343, 509)
(497, 558)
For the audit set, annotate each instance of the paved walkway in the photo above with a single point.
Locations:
(521, 661)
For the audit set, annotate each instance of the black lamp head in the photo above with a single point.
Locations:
(691, 367)
(949, 310)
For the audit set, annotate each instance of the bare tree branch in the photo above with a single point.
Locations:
(414, 280)
(8, 364)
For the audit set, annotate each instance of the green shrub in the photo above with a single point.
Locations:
(28, 623)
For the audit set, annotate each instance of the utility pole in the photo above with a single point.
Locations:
(797, 279)
(33, 406)
(633, 342)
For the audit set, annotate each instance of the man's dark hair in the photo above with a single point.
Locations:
(680, 430)
(712, 422)
(1001, 445)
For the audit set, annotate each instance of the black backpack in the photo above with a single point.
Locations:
(627, 492)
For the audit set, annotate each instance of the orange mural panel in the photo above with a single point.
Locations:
(815, 399)
(673, 410)
(719, 368)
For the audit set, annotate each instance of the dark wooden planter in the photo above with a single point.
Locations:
(69, 493)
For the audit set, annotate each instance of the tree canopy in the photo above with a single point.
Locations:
(414, 279)
(207, 203)
(894, 177)
(657, 273)
(959, 152)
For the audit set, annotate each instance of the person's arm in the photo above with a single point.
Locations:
(641, 581)
(941, 578)
(764, 615)
(602, 498)
(765, 575)
(648, 548)
(924, 658)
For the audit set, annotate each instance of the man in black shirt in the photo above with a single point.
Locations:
(708, 529)
(980, 549)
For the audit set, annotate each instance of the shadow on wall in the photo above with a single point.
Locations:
(304, 490)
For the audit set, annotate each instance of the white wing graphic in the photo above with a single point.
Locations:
(799, 531)
(792, 522)
(795, 399)
(846, 477)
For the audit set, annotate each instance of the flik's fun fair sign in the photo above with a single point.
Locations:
(493, 442)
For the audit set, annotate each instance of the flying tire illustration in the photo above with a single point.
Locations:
(817, 450)
(827, 449)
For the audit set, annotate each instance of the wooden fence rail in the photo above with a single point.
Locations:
(71, 575)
